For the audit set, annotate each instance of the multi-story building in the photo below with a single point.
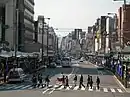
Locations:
(50, 39)
(19, 15)
(124, 25)
(111, 34)
(90, 42)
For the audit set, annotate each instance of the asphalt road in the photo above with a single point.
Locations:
(109, 86)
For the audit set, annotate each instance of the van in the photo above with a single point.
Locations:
(16, 74)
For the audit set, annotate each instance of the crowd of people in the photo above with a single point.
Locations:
(38, 81)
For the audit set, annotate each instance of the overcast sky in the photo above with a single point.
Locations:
(74, 13)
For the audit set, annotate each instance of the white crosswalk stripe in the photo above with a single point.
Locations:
(82, 88)
(76, 88)
(19, 86)
(119, 90)
(26, 87)
(112, 90)
(61, 87)
(11, 87)
(90, 89)
(105, 89)
(98, 90)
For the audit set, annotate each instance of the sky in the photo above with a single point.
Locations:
(69, 14)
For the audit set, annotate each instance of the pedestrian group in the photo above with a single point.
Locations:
(38, 81)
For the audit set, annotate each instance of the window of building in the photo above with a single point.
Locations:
(28, 3)
(28, 13)
(28, 22)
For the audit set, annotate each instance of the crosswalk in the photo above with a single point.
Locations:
(94, 88)
(59, 88)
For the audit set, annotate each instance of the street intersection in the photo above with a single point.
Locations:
(109, 87)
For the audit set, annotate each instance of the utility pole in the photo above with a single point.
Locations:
(47, 43)
(42, 39)
(16, 34)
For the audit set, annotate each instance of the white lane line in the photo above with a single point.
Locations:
(105, 89)
(45, 91)
(119, 90)
(26, 87)
(76, 88)
(112, 90)
(61, 87)
(82, 88)
(18, 87)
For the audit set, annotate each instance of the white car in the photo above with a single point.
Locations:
(16, 74)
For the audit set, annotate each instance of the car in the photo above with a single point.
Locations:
(16, 74)
(51, 65)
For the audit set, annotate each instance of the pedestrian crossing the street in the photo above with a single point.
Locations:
(59, 88)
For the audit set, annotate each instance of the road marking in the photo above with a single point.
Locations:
(112, 90)
(120, 83)
(90, 89)
(76, 88)
(120, 90)
(26, 87)
(52, 91)
(61, 87)
(105, 89)
(45, 91)
(70, 87)
(56, 86)
(67, 88)
(31, 87)
(97, 89)
(82, 88)
(18, 87)
(11, 87)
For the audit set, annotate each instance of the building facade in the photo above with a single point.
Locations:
(19, 16)
(124, 25)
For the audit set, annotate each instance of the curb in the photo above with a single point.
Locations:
(118, 82)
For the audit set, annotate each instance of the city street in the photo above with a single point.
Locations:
(109, 86)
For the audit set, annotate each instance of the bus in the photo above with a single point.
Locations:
(66, 62)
